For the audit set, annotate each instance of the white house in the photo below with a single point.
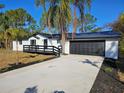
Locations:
(98, 43)
(37, 39)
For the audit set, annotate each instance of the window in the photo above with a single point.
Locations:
(20, 42)
(33, 42)
(45, 43)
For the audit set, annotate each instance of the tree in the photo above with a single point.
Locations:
(118, 25)
(19, 18)
(89, 23)
(33, 28)
(82, 5)
(75, 20)
(3, 28)
(15, 19)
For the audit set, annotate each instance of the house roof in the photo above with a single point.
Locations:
(84, 35)
(90, 35)
(52, 36)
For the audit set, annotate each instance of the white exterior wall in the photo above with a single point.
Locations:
(67, 47)
(111, 49)
(20, 46)
(54, 42)
(39, 40)
(14, 45)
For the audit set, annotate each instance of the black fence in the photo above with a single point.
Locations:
(42, 49)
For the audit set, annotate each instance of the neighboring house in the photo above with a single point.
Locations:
(97, 43)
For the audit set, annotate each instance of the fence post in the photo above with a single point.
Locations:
(29, 48)
(23, 48)
(44, 48)
(53, 49)
(35, 47)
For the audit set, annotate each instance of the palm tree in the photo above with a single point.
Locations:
(62, 19)
(81, 5)
(75, 2)
(58, 16)
(41, 3)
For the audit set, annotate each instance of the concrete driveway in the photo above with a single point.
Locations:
(70, 73)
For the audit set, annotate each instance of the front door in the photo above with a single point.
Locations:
(45, 43)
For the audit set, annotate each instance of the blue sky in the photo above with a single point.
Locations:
(106, 11)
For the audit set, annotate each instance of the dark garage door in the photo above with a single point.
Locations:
(87, 47)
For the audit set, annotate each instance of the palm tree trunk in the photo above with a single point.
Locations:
(63, 39)
(74, 23)
(10, 44)
(49, 26)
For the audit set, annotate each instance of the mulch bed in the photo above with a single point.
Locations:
(107, 81)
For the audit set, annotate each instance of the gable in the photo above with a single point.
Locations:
(38, 37)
